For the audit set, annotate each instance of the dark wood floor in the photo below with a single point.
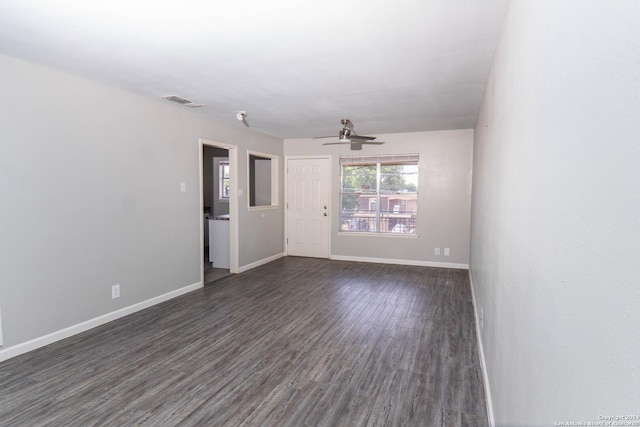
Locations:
(296, 342)
(212, 274)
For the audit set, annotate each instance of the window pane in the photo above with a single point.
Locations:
(361, 179)
(358, 212)
(223, 180)
(399, 179)
(391, 208)
(225, 189)
(398, 213)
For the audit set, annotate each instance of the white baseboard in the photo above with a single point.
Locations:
(483, 362)
(35, 343)
(260, 262)
(400, 262)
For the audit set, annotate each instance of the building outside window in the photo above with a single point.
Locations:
(379, 194)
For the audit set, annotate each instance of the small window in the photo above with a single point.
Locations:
(223, 180)
(379, 194)
(263, 180)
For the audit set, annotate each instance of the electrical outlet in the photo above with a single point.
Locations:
(446, 252)
(115, 291)
(437, 251)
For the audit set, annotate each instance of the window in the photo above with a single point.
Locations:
(223, 180)
(379, 194)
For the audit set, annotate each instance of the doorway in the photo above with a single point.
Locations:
(218, 208)
(308, 207)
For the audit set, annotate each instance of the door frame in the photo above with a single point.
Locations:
(234, 248)
(286, 198)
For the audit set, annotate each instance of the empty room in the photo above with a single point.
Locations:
(356, 213)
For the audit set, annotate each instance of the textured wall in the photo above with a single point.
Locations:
(90, 185)
(443, 203)
(556, 213)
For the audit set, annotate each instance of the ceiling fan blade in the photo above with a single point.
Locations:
(319, 137)
(363, 137)
(336, 143)
(371, 142)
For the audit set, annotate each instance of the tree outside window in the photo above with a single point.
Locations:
(379, 194)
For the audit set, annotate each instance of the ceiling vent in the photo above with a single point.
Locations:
(178, 100)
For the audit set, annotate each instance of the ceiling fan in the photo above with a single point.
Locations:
(348, 135)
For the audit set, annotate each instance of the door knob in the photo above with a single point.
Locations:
(326, 214)
(325, 206)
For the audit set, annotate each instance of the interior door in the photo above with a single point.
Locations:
(308, 213)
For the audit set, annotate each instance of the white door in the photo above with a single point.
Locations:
(308, 213)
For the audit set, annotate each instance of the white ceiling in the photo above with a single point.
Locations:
(296, 67)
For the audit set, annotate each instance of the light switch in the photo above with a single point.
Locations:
(446, 252)
(183, 187)
(240, 192)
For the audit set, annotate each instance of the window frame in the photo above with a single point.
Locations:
(376, 197)
(224, 162)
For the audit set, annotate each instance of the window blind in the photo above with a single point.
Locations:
(399, 159)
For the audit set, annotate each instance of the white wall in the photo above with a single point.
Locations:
(443, 203)
(262, 182)
(90, 187)
(556, 213)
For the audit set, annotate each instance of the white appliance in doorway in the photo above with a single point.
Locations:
(219, 254)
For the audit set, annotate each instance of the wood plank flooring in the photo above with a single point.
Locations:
(297, 342)
(212, 274)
